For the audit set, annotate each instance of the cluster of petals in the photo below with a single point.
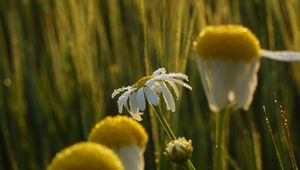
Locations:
(150, 90)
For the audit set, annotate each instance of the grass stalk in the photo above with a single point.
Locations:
(273, 139)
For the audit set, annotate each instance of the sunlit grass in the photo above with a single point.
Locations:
(60, 61)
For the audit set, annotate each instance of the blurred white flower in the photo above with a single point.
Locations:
(125, 136)
(148, 89)
(228, 63)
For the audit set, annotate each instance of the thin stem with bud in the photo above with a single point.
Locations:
(188, 164)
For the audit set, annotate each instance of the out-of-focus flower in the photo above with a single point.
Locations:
(228, 63)
(179, 150)
(125, 136)
(87, 156)
(148, 89)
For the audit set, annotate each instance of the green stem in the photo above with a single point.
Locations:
(217, 150)
(220, 148)
(164, 122)
(188, 164)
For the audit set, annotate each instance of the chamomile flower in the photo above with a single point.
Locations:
(125, 136)
(148, 89)
(87, 156)
(228, 63)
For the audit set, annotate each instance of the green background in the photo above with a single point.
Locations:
(60, 60)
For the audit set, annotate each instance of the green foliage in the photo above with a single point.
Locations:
(61, 59)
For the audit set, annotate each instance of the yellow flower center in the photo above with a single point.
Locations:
(228, 42)
(87, 156)
(119, 131)
(141, 82)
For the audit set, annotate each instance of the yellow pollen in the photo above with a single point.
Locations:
(228, 42)
(141, 82)
(119, 131)
(87, 156)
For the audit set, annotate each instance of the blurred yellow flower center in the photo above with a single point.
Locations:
(87, 156)
(228, 42)
(141, 82)
(119, 131)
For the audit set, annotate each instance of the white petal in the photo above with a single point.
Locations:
(156, 87)
(228, 83)
(141, 99)
(159, 71)
(132, 157)
(151, 96)
(246, 86)
(173, 85)
(210, 75)
(119, 90)
(167, 96)
(151, 81)
(133, 103)
(286, 56)
(137, 116)
(177, 75)
(180, 82)
(123, 100)
(169, 76)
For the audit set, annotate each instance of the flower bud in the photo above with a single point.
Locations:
(179, 150)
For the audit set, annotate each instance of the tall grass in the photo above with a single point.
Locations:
(60, 61)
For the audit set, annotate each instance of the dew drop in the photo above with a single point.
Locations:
(267, 120)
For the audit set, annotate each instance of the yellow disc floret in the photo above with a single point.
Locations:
(228, 42)
(141, 82)
(87, 156)
(119, 131)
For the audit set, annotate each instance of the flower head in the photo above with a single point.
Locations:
(87, 156)
(179, 150)
(125, 136)
(227, 42)
(119, 131)
(148, 89)
(228, 63)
